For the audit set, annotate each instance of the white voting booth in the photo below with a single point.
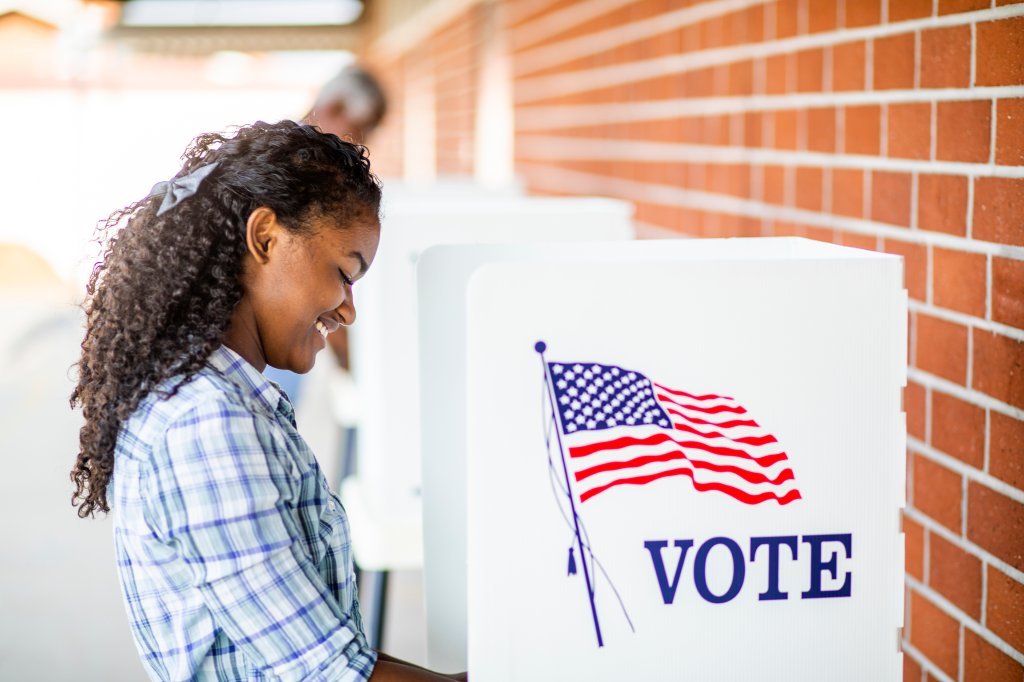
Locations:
(725, 502)
(384, 499)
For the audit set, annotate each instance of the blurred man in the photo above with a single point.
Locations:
(351, 105)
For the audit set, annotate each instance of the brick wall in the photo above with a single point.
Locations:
(893, 125)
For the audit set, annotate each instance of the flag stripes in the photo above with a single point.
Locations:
(622, 429)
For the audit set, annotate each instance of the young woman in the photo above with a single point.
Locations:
(233, 552)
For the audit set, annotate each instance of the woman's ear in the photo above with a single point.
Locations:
(261, 233)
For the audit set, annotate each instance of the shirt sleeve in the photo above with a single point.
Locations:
(222, 498)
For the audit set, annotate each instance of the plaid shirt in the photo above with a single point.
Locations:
(233, 553)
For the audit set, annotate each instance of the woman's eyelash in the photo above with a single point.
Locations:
(345, 278)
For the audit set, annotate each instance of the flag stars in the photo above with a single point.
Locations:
(603, 396)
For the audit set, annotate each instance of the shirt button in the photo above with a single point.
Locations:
(330, 505)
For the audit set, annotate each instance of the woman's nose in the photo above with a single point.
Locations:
(347, 310)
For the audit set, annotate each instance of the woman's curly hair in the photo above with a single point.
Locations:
(159, 302)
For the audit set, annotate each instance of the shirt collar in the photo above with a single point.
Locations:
(237, 369)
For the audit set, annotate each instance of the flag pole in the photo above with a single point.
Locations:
(540, 347)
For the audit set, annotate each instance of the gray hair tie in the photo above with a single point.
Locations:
(179, 189)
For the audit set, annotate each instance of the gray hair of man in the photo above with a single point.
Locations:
(352, 103)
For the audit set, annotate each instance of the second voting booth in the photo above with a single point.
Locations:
(681, 460)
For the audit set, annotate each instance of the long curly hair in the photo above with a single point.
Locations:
(160, 299)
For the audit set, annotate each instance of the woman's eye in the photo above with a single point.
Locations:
(345, 278)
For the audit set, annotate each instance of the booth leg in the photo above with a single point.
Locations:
(375, 586)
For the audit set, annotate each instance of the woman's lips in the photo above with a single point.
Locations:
(326, 325)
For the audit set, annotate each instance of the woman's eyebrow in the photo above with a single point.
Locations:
(362, 262)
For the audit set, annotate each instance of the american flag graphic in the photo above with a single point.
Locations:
(621, 428)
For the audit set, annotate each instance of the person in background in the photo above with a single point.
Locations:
(350, 105)
(233, 553)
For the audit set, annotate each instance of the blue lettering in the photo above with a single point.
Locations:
(773, 544)
(668, 589)
(700, 568)
(818, 565)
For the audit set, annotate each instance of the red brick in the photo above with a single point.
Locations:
(809, 71)
(942, 348)
(913, 536)
(999, 367)
(894, 62)
(890, 197)
(786, 15)
(963, 131)
(915, 266)
(786, 129)
(985, 663)
(935, 634)
(741, 78)
(1010, 132)
(955, 574)
(745, 26)
(914, 406)
(1005, 613)
(822, 15)
(937, 492)
(911, 670)
(946, 57)
(857, 241)
(777, 74)
(808, 188)
(901, 10)
(848, 66)
(959, 280)
(821, 129)
(942, 203)
(1008, 291)
(1006, 449)
(848, 192)
(996, 523)
(753, 125)
(958, 429)
(953, 6)
(999, 210)
(820, 234)
(862, 129)
(775, 185)
(862, 13)
(909, 130)
(999, 52)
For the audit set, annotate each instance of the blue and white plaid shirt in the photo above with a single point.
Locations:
(234, 554)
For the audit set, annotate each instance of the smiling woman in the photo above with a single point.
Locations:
(233, 552)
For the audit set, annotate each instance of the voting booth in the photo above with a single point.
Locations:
(683, 460)
(384, 498)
